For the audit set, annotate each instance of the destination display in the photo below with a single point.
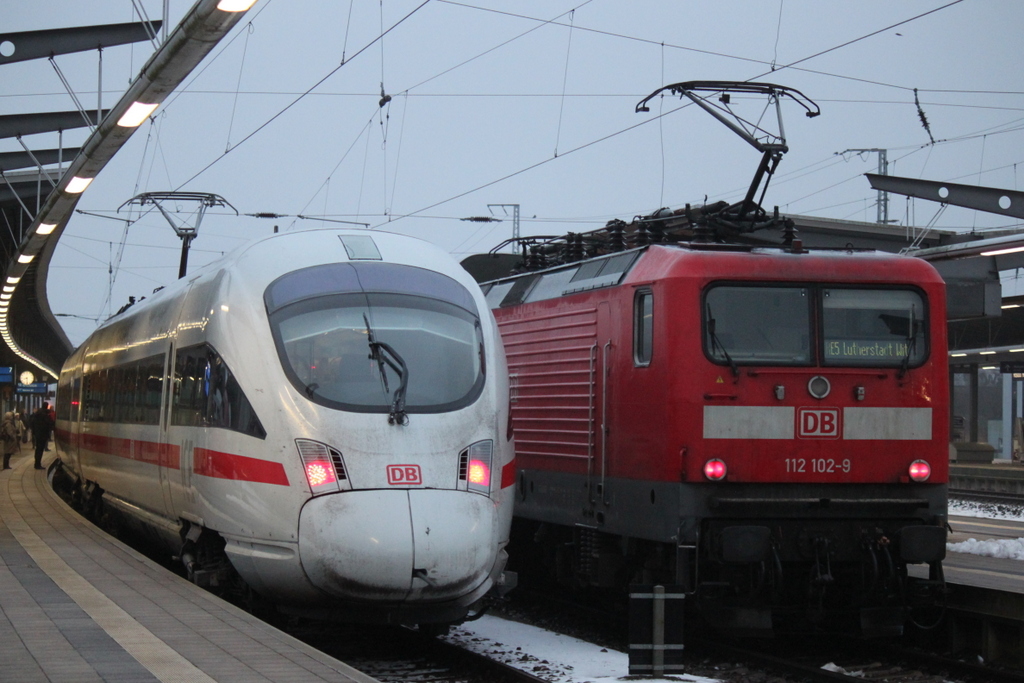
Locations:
(864, 349)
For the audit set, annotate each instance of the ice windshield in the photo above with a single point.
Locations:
(374, 351)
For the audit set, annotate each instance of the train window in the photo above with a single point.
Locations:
(601, 273)
(208, 395)
(360, 247)
(520, 289)
(496, 294)
(643, 327)
(618, 264)
(589, 270)
(431, 347)
(359, 276)
(550, 285)
(128, 393)
(151, 372)
(873, 327)
(757, 325)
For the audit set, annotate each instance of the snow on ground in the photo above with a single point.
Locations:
(562, 659)
(1010, 548)
(552, 656)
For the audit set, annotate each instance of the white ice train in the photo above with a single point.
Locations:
(324, 413)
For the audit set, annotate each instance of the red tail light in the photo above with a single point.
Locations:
(475, 467)
(920, 470)
(715, 470)
(479, 473)
(324, 467)
(319, 473)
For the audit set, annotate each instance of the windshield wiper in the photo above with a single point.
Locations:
(911, 343)
(716, 342)
(384, 354)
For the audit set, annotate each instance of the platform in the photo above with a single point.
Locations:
(1001, 476)
(77, 605)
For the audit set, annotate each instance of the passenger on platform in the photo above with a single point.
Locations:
(22, 422)
(41, 425)
(53, 421)
(9, 437)
(19, 424)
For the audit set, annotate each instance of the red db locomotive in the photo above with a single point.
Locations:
(764, 427)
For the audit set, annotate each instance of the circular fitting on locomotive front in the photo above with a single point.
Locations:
(819, 387)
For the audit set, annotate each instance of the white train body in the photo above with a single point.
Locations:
(333, 404)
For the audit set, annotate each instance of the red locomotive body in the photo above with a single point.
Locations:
(767, 428)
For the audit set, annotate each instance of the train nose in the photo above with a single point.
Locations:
(416, 544)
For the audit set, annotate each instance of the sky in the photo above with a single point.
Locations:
(496, 103)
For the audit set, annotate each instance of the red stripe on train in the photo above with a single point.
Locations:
(508, 474)
(212, 463)
(149, 452)
(207, 462)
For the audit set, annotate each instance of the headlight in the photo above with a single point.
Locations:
(324, 467)
(715, 470)
(475, 467)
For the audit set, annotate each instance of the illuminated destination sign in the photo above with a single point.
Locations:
(857, 349)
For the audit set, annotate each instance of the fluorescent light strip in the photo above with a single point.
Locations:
(1000, 252)
(136, 114)
(77, 185)
(45, 228)
(26, 258)
(235, 5)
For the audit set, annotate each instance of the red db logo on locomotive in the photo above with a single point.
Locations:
(817, 423)
(404, 475)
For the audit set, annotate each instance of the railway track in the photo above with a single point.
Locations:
(988, 497)
(393, 654)
(810, 660)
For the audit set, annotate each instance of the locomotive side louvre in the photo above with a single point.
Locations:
(755, 423)
(218, 416)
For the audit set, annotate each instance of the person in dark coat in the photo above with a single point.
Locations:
(9, 437)
(42, 427)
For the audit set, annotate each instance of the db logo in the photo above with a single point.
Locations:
(817, 423)
(404, 475)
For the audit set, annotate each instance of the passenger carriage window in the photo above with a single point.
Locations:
(643, 327)
(757, 325)
(873, 327)
(208, 395)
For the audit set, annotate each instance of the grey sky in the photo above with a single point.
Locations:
(487, 95)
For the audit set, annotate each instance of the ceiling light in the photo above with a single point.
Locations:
(1000, 252)
(1008, 306)
(986, 353)
(235, 5)
(77, 185)
(45, 228)
(958, 355)
(14, 280)
(26, 258)
(136, 114)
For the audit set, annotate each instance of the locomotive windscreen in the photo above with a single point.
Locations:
(375, 333)
(776, 325)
